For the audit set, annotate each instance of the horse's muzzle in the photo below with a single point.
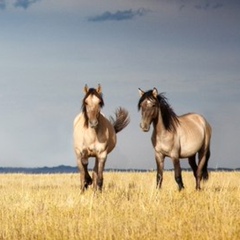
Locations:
(93, 124)
(144, 127)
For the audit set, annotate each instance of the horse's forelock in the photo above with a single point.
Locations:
(170, 119)
(147, 95)
(93, 91)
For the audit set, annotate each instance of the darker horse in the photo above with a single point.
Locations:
(175, 136)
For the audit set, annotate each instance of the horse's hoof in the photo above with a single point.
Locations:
(180, 188)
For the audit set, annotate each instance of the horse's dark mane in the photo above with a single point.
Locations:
(91, 91)
(170, 119)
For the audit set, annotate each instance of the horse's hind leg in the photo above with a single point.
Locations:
(202, 167)
(205, 171)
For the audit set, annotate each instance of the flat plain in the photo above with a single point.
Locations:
(50, 206)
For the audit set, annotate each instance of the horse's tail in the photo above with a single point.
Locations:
(205, 171)
(121, 120)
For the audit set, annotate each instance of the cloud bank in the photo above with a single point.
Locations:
(118, 15)
(208, 5)
(18, 3)
(24, 3)
(2, 4)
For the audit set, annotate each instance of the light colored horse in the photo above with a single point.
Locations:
(95, 136)
(175, 136)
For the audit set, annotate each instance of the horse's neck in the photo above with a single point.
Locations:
(158, 124)
(101, 124)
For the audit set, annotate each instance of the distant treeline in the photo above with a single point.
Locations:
(69, 169)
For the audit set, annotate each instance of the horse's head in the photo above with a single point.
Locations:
(149, 105)
(91, 106)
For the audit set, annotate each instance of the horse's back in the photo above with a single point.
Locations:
(194, 121)
(194, 132)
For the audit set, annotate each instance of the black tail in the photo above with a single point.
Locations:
(205, 171)
(122, 119)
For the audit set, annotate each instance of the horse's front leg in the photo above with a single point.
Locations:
(85, 179)
(192, 163)
(95, 174)
(178, 173)
(101, 164)
(160, 166)
(98, 173)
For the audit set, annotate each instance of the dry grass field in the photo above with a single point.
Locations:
(51, 207)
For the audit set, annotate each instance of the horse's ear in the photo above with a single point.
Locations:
(155, 92)
(86, 89)
(141, 92)
(99, 89)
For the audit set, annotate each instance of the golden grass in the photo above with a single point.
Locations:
(51, 207)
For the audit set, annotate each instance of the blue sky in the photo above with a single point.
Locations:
(50, 49)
